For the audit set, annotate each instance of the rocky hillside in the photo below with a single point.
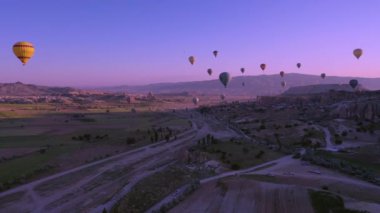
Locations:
(321, 88)
(20, 89)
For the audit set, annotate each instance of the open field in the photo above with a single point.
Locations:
(39, 145)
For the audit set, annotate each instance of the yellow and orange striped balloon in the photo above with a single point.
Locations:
(23, 51)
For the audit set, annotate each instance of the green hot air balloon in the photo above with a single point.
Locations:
(225, 78)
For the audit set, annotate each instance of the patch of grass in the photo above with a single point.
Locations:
(366, 157)
(28, 167)
(152, 189)
(326, 202)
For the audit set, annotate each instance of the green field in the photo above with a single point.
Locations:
(49, 141)
(237, 154)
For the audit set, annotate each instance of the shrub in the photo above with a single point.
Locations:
(131, 140)
(235, 166)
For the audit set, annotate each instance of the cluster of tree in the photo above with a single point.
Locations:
(338, 139)
(99, 157)
(370, 127)
(342, 166)
(88, 137)
(159, 134)
(209, 139)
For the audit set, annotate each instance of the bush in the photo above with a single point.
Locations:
(297, 155)
(235, 166)
(260, 154)
(131, 140)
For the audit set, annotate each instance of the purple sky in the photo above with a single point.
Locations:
(102, 43)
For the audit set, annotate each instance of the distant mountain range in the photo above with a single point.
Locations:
(253, 85)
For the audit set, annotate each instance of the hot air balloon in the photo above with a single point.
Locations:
(283, 83)
(224, 77)
(23, 51)
(209, 71)
(358, 53)
(243, 84)
(323, 75)
(282, 73)
(242, 70)
(298, 65)
(215, 52)
(222, 96)
(192, 60)
(195, 100)
(353, 83)
(263, 66)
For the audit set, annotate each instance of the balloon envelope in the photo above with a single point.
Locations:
(282, 73)
(358, 53)
(323, 75)
(242, 70)
(215, 52)
(23, 51)
(263, 66)
(225, 78)
(209, 71)
(192, 60)
(298, 65)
